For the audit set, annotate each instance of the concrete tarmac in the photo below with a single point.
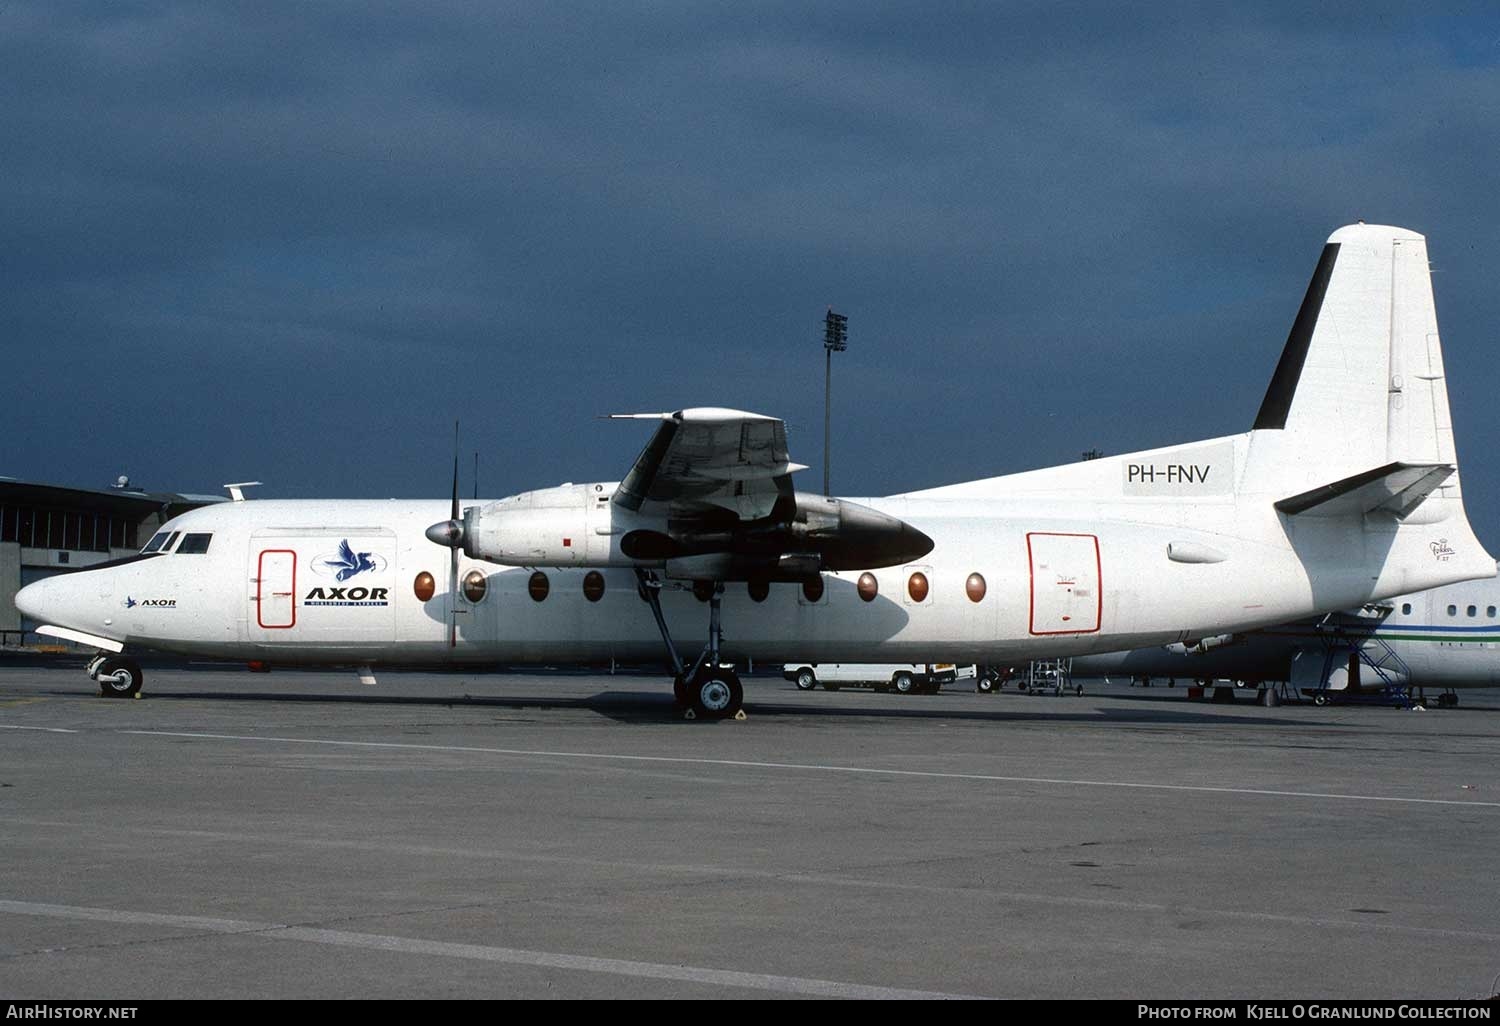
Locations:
(296, 834)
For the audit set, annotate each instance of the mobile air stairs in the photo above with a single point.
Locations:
(1049, 676)
(1351, 649)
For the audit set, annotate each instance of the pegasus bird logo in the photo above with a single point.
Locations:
(130, 603)
(349, 562)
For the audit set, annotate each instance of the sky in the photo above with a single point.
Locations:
(294, 242)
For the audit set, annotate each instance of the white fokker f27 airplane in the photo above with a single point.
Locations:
(1345, 491)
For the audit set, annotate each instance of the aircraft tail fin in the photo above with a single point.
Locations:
(1360, 383)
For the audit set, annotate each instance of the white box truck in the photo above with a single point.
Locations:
(907, 678)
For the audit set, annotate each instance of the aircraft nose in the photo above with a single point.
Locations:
(37, 600)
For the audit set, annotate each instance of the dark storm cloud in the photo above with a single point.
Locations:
(294, 241)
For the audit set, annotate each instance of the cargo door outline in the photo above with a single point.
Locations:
(1057, 560)
(268, 591)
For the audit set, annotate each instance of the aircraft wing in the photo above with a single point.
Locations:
(705, 458)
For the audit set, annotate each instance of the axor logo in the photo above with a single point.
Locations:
(155, 603)
(347, 563)
(347, 597)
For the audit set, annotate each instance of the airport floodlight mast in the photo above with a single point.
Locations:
(835, 340)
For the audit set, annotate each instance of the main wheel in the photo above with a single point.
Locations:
(806, 679)
(120, 678)
(903, 683)
(985, 684)
(717, 693)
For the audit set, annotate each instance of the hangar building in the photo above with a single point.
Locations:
(48, 529)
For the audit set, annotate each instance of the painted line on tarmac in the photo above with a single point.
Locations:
(480, 952)
(843, 879)
(49, 730)
(817, 768)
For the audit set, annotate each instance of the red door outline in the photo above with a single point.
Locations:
(1031, 576)
(260, 577)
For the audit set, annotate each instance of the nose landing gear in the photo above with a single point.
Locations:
(118, 677)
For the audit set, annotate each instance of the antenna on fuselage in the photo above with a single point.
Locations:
(236, 490)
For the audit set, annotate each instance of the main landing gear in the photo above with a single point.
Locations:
(709, 689)
(118, 676)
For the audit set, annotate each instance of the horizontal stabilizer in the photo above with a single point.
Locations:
(1396, 488)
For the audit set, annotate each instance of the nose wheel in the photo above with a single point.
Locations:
(117, 677)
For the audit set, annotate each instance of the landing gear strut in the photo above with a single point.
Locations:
(708, 689)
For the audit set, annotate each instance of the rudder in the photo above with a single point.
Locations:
(1360, 381)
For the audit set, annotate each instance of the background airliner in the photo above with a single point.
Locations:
(1445, 638)
(1345, 491)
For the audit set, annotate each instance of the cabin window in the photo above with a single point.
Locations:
(475, 585)
(1452, 610)
(1473, 610)
(812, 588)
(759, 588)
(1406, 609)
(194, 544)
(975, 587)
(1490, 612)
(424, 586)
(703, 590)
(593, 586)
(916, 586)
(868, 587)
(157, 541)
(537, 587)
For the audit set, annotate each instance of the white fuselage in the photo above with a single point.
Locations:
(1062, 577)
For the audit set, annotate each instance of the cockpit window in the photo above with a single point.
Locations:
(166, 546)
(157, 541)
(194, 544)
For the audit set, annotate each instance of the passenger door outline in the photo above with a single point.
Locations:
(269, 593)
(1064, 569)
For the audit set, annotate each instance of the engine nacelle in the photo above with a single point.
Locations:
(1202, 645)
(548, 527)
(578, 525)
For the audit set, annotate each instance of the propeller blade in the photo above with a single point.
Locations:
(453, 510)
(456, 530)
